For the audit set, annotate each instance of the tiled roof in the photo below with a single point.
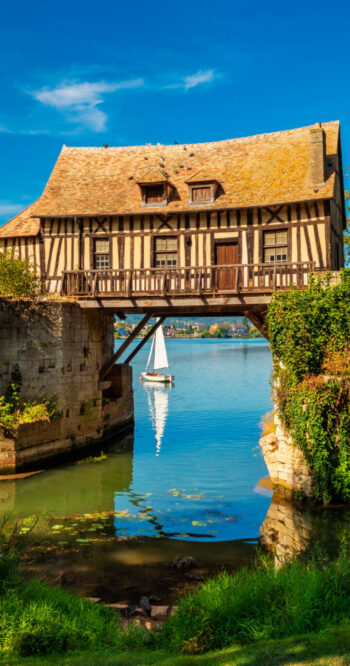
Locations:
(254, 171)
(22, 225)
(153, 176)
(202, 176)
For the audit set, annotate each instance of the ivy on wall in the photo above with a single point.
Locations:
(309, 332)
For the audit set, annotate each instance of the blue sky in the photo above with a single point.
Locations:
(122, 73)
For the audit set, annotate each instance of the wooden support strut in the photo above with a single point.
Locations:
(109, 365)
(144, 340)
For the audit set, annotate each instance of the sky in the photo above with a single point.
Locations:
(85, 73)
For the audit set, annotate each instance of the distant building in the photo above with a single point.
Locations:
(199, 327)
(239, 330)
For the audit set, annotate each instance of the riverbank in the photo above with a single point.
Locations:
(256, 616)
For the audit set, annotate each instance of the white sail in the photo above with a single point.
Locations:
(160, 355)
(150, 353)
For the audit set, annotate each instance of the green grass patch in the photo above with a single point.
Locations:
(331, 647)
(260, 604)
(36, 619)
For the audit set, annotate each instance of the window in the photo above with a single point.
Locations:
(201, 194)
(153, 194)
(275, 247)
(101, 254)
(165, 252)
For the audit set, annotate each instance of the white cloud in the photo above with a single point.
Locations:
(194, 80)
(72, 94)
(79, 100)
(10, 209)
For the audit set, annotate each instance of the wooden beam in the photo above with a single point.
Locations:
(259, 320)
(109, 365)
(144, 340)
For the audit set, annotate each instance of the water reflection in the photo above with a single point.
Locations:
(158, 403)
(292, 529)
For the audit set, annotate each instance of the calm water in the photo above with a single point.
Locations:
(185, 482)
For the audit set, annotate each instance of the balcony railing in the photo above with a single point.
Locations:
(192, 280)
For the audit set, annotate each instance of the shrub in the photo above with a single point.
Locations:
(33, 411)
(309, 333)
(17, 277)
(262, 603)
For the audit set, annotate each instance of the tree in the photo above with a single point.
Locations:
(17, 277)
(246, 322)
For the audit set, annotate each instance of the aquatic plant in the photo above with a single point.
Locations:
(309, 333)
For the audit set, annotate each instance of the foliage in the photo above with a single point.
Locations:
(262, 603)
(12, 412)
(92, 459)
(220, 331)
(309, 333)
(17, 277)
(267, 424)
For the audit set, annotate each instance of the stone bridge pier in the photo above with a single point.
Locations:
(55, 350)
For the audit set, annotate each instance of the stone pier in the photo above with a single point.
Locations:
(58, 349)
(286, 463)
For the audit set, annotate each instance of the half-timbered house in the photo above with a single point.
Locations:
(237, 217)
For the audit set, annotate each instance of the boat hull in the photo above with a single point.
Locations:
(157, 377)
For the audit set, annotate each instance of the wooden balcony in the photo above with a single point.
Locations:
(185, 282)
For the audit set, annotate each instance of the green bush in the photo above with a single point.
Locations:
(309, 333)
(17, 277)
(261, 603)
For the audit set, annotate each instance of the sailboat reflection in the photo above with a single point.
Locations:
(158, 399)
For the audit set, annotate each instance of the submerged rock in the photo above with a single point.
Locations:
(183, 562)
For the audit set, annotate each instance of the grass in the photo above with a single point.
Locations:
(331, 647)
(299, 614)
(36, 619)
(261, 604)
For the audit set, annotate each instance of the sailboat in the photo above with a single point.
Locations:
(160, 360)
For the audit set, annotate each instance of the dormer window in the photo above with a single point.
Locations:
(201, 193)
(153, 194)
(155, 188)
(202, 188)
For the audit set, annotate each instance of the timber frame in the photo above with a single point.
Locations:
(258, 184)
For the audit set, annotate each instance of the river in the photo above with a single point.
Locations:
(186, 482)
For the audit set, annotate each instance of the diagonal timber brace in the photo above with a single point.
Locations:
(144, 340)
(109, 365)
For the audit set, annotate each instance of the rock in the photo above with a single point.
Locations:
(130, 610)
(183, 562)
(194, 576)
(145, 606)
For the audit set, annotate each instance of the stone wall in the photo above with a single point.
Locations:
(59, 350)
(285, 462)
